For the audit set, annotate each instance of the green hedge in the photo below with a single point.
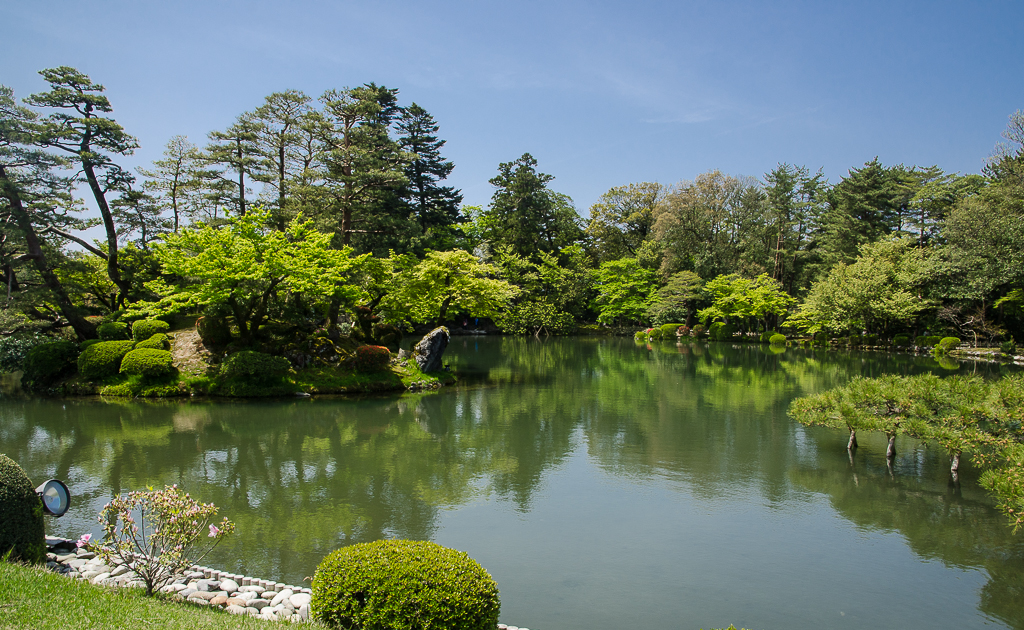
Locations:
(255, 366)
(158, 341)
(372, 358)
(946, 344)
(88, 342)
(146, 328)
(113, 331)
(403, 584)
(21, 515)
(777, 339)
(670, 330)
(47, 362)
(721, 331)
(103, 359)
(148, 363)
(766, 336)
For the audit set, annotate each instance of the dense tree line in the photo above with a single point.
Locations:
(352, 186)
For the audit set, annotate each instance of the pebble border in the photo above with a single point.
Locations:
(202, 586)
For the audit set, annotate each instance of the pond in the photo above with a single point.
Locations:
(603, 484)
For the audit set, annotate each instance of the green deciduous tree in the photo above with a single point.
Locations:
(623, 219)
(625, 291)
(736, 299)
(673, 303)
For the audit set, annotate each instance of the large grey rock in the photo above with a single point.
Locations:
(430, 349)
(299, 599)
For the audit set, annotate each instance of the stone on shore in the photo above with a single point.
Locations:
(229, 585)
(430, 349)
(299, 599)
(235, 609)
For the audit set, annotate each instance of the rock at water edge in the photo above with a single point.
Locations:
(430, 349)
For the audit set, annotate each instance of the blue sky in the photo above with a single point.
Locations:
(601, 93)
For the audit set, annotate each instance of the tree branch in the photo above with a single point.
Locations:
(74, 238)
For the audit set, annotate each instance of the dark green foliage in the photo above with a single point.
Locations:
(856, 340)
(148, 363)
(47, 362)
(112, 331)
(159, 341)
(946, 344)
(777, 339)
(214, 331)
(145, 328)
(721, 331)
(387, 335)
(21, 515)
(767, 335)
(669, 330)
(1008, 347)
(932, 340)
(254, 366)
(404, 584)
(870, 340)
(88, 342)
(372, 358)
(14, 349)
(103, 359)
(901, 341)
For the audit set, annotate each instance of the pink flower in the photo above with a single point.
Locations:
(84, 540)
(213, 530)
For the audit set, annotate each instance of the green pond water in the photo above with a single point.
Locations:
(603, 484)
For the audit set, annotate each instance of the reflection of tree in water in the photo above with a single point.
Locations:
(956, 525)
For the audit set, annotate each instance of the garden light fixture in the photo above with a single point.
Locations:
(55, 496)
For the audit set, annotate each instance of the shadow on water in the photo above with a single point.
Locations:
(301, 478)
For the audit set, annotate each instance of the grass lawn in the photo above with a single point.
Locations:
(37, 599)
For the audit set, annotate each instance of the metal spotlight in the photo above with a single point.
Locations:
(55, 496)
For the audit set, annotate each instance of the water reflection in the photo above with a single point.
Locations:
(705, 422)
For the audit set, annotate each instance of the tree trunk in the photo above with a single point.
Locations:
(123, 286)
(84, 329)
(954, 464)
(852, 444)
(890, 451)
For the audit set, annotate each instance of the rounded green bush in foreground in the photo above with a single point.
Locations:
(777, 339)
(404, 585)
(145, 328)
(103, 359)
(21, 515)
(147, 362)
(113, 331)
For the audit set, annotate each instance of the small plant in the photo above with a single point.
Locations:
(145, 328)
(1008, 347)
(698, 330)
(404, 584)
(946, 345)
(161, 533)
(113, 331)
(49, 361)
(766, 336)
(147, 363)
(669, 330)
(372, 358)
(255, 366)
(683, 331)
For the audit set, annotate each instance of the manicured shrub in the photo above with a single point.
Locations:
(112, 331)
(656, 334)
(403, 584)
(946, 344)
(214, 331)
(148, 363)
(146, 328)
(103, 359)
(158, 341)
(669, 330)
(372, 358)
(88, 342)
(720, 331)
(777, 339)
(699, 330)
(640, 335)
(901, 341)
(47, 362)
(932, 340)
(21, 515)
(255, 366)
(856, 340)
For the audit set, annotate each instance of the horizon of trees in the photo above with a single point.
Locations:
(886, 249)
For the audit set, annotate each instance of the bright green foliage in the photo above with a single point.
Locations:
(372, 358)
(147, 362)
(777, 339)
(113, 331)
(254, 366)
(247, 267)
(403, 585)
(88, 342)
(21, 515)
(159, 341)
(738, 299)
(555, 291)
(145, 328)
(674, 301)
(625, 290)
(444, 283)
(669, 330)
(766, 336)
(720, 331)
(875, 292)
(49, 361)
(623, 219)
(103, 359)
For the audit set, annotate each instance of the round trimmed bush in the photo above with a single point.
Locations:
(669, 330)
(88, 342)
(656, 334)
(145, 328)
(372, 358)
(767, 335)
(932, 340)
(113, 331)
(21, 515)
(403, 584)
(158, 341)
(255, 366)
(148, 363)
(640, 335)
(103, 359)
(699, 330)
(49, 361)
(777, 339)
(947, 344)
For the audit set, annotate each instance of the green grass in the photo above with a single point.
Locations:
(37, 599)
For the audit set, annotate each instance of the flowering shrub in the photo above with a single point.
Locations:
(160, 533)
(372, 358)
